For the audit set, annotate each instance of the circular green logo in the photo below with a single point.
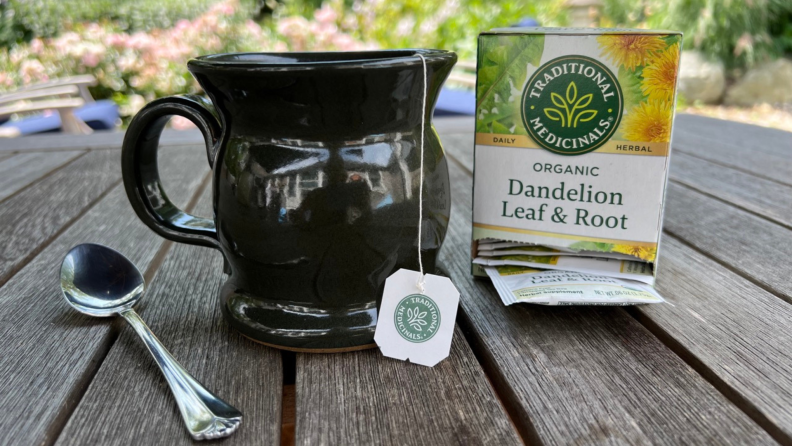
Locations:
(572, 105)
(417, 318)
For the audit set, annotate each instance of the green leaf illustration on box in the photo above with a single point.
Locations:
(532, 248)
(547, 260)
(508, 270)
(672, 39)
(630, 82)
(501, 77)
(591, 246)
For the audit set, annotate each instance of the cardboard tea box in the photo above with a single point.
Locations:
(573, 131)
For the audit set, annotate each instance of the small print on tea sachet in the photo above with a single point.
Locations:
(417, 325)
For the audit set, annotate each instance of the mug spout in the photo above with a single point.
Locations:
(439, 66)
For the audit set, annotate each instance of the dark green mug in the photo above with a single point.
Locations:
(316, 171)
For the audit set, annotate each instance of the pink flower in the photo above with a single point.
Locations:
(90, 59)
(293, 26)
(36, 46)
(344, 42)
(32, 71)
(94, 30)
(63, 43)
(225, 8)
(182, 25)
(116, 40)
(181, 123)
(253, 28)
(325, 14)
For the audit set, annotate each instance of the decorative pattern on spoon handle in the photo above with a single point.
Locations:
(205, 415)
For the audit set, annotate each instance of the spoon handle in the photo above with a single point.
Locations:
(205, 415)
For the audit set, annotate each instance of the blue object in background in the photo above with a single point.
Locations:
(526, 22)
(453, 102)
(99, 115)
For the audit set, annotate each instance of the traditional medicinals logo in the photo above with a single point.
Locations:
(417, 318)
(572, 105)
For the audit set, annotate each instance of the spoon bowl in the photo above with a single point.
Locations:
(100, 281)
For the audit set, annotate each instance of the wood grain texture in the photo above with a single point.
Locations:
(451, 125)
(49, 352)
(751, 245)
(738, 332)
(363, 398)
(130, 403)
(366, 398)
(32, 217)
(460, 148)
(96, 141)
(24, 169)
(765, 197)
(585, 375)
(758, 150)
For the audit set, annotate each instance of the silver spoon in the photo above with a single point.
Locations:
(99, 281)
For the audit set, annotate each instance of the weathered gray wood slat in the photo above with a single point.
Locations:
(24, 169)
(96, 141)
(365, 398)
(736, 330)
(751, 245)
(761, 151)
(449, 125)
(32, 217)
(764, 197)
(49, 352)
(129, 402)
(459, 147)
(113, 140)
(585, 375)
(719, 131)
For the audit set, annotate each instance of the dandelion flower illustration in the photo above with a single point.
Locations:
(642, 252)
(659, 77)
(648, 121)
(630, 50)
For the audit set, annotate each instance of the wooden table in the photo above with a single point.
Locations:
(713, 368)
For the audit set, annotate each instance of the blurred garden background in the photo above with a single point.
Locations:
(737, 64)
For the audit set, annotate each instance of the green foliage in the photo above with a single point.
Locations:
(501, 75)
(451, 25)
(738, 32)
(21, 20)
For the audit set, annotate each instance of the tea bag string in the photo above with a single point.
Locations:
(421, 281)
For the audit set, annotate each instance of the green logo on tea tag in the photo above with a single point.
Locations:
(416, 318)
(572, 105)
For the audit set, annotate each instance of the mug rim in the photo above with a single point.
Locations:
(306, 60)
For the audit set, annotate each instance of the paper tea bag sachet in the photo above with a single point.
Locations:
(522, 284)
(483, 251)
(573, 131)
(622, 269)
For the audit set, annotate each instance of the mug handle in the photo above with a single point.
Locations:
(141, 174)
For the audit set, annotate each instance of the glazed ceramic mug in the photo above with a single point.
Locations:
(316, 171)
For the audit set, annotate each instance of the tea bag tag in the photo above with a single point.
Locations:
(414, 324)
(418, 312)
